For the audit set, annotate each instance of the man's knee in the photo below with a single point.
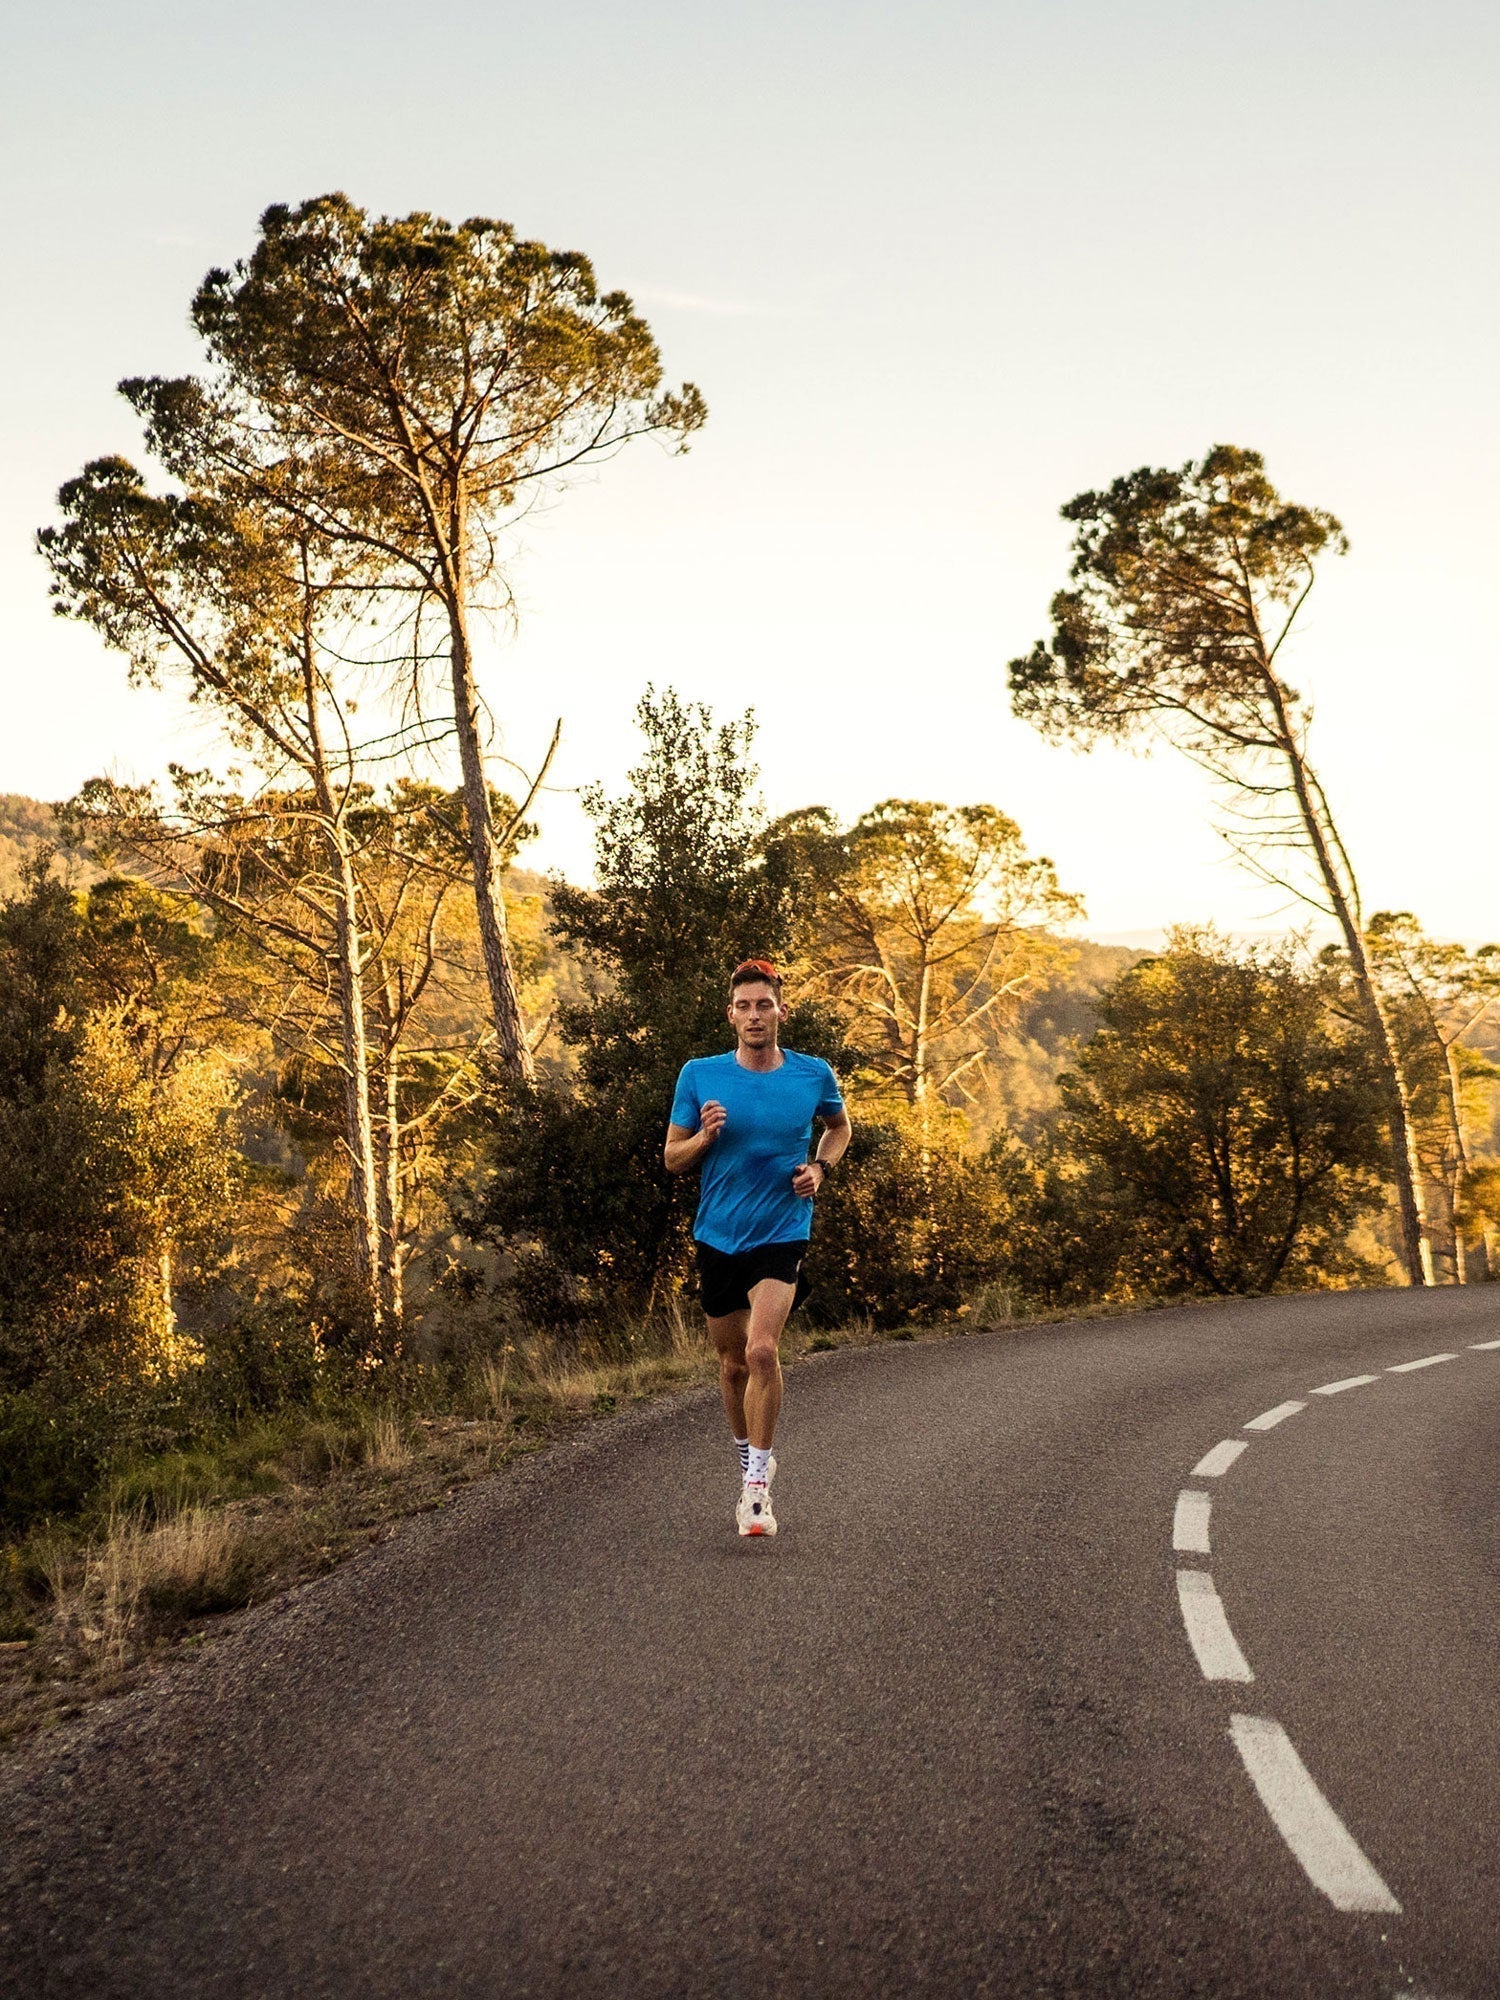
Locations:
(761, 1359)
(734, 1369)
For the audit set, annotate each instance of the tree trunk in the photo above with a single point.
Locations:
(931, 1252)
(1460, 1251)
(1343, 897)
(1416, 1238)
(484, 851)
(359, 1127)
(391, 1275)
(1460, 1174)
(166, 1303)
(359, 1135)
(919, 1050)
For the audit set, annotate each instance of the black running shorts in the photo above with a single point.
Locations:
(724, 1282)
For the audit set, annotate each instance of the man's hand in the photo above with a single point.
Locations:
(809, 1177)
(685, 1149)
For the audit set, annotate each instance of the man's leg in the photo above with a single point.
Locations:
(770, 1303)
(729, 1335)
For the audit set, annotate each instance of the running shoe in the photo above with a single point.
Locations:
(753, 1515)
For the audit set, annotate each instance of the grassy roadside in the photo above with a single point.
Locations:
(179, 1543)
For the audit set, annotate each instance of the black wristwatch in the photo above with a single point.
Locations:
(826, 1165)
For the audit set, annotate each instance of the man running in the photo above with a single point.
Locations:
(747, 1116)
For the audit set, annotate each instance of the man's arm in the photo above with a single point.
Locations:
(833, 1142)
(685, 1149)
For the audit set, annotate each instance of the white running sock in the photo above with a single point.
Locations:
(742, 1446)
(757, 1467)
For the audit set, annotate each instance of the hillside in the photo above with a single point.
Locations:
(25, 825)
(1052, 1023)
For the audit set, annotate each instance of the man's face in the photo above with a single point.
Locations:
(755, 1013)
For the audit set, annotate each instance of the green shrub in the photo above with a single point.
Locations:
(267, 1358)
(906, 1229)
(60, 1440)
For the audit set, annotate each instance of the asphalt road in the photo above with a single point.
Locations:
(945, 1735)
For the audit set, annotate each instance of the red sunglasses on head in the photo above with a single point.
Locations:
(761, 965)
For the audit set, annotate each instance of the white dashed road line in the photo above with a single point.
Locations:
(1223, 1456)
(1328, 1852)
(1208, 1630)
(1269, 1419)
(1190, 1524)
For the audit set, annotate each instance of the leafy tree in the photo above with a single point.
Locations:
(392, 387)
(424, 981)
(1226, 1123)
(45, 1172)
(262, 620)
(176, 988)
(1065, 1240)
(259, 863)
(1185, 586)
(1437, 996)
(684, 891)
(111, 1162)
(926, 923)
(254, 619)
(913, 1224)
(118, 1177)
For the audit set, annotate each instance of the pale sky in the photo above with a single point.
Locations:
(936, 267)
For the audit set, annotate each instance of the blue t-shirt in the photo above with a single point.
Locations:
(745, 1194)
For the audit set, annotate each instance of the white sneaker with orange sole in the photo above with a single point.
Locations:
(753, 1516)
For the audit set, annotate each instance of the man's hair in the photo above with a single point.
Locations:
(756, 971)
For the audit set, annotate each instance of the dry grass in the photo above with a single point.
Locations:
(995, 1305)
(389, 1448)
(542, 1376)
(141, 1575)
(495, 1382)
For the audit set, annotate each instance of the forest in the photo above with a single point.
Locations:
(330, 1132)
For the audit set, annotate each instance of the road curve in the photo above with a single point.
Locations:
(946, 1735)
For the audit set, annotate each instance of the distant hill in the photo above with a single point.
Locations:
(1054, 1020)
(25, 825)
